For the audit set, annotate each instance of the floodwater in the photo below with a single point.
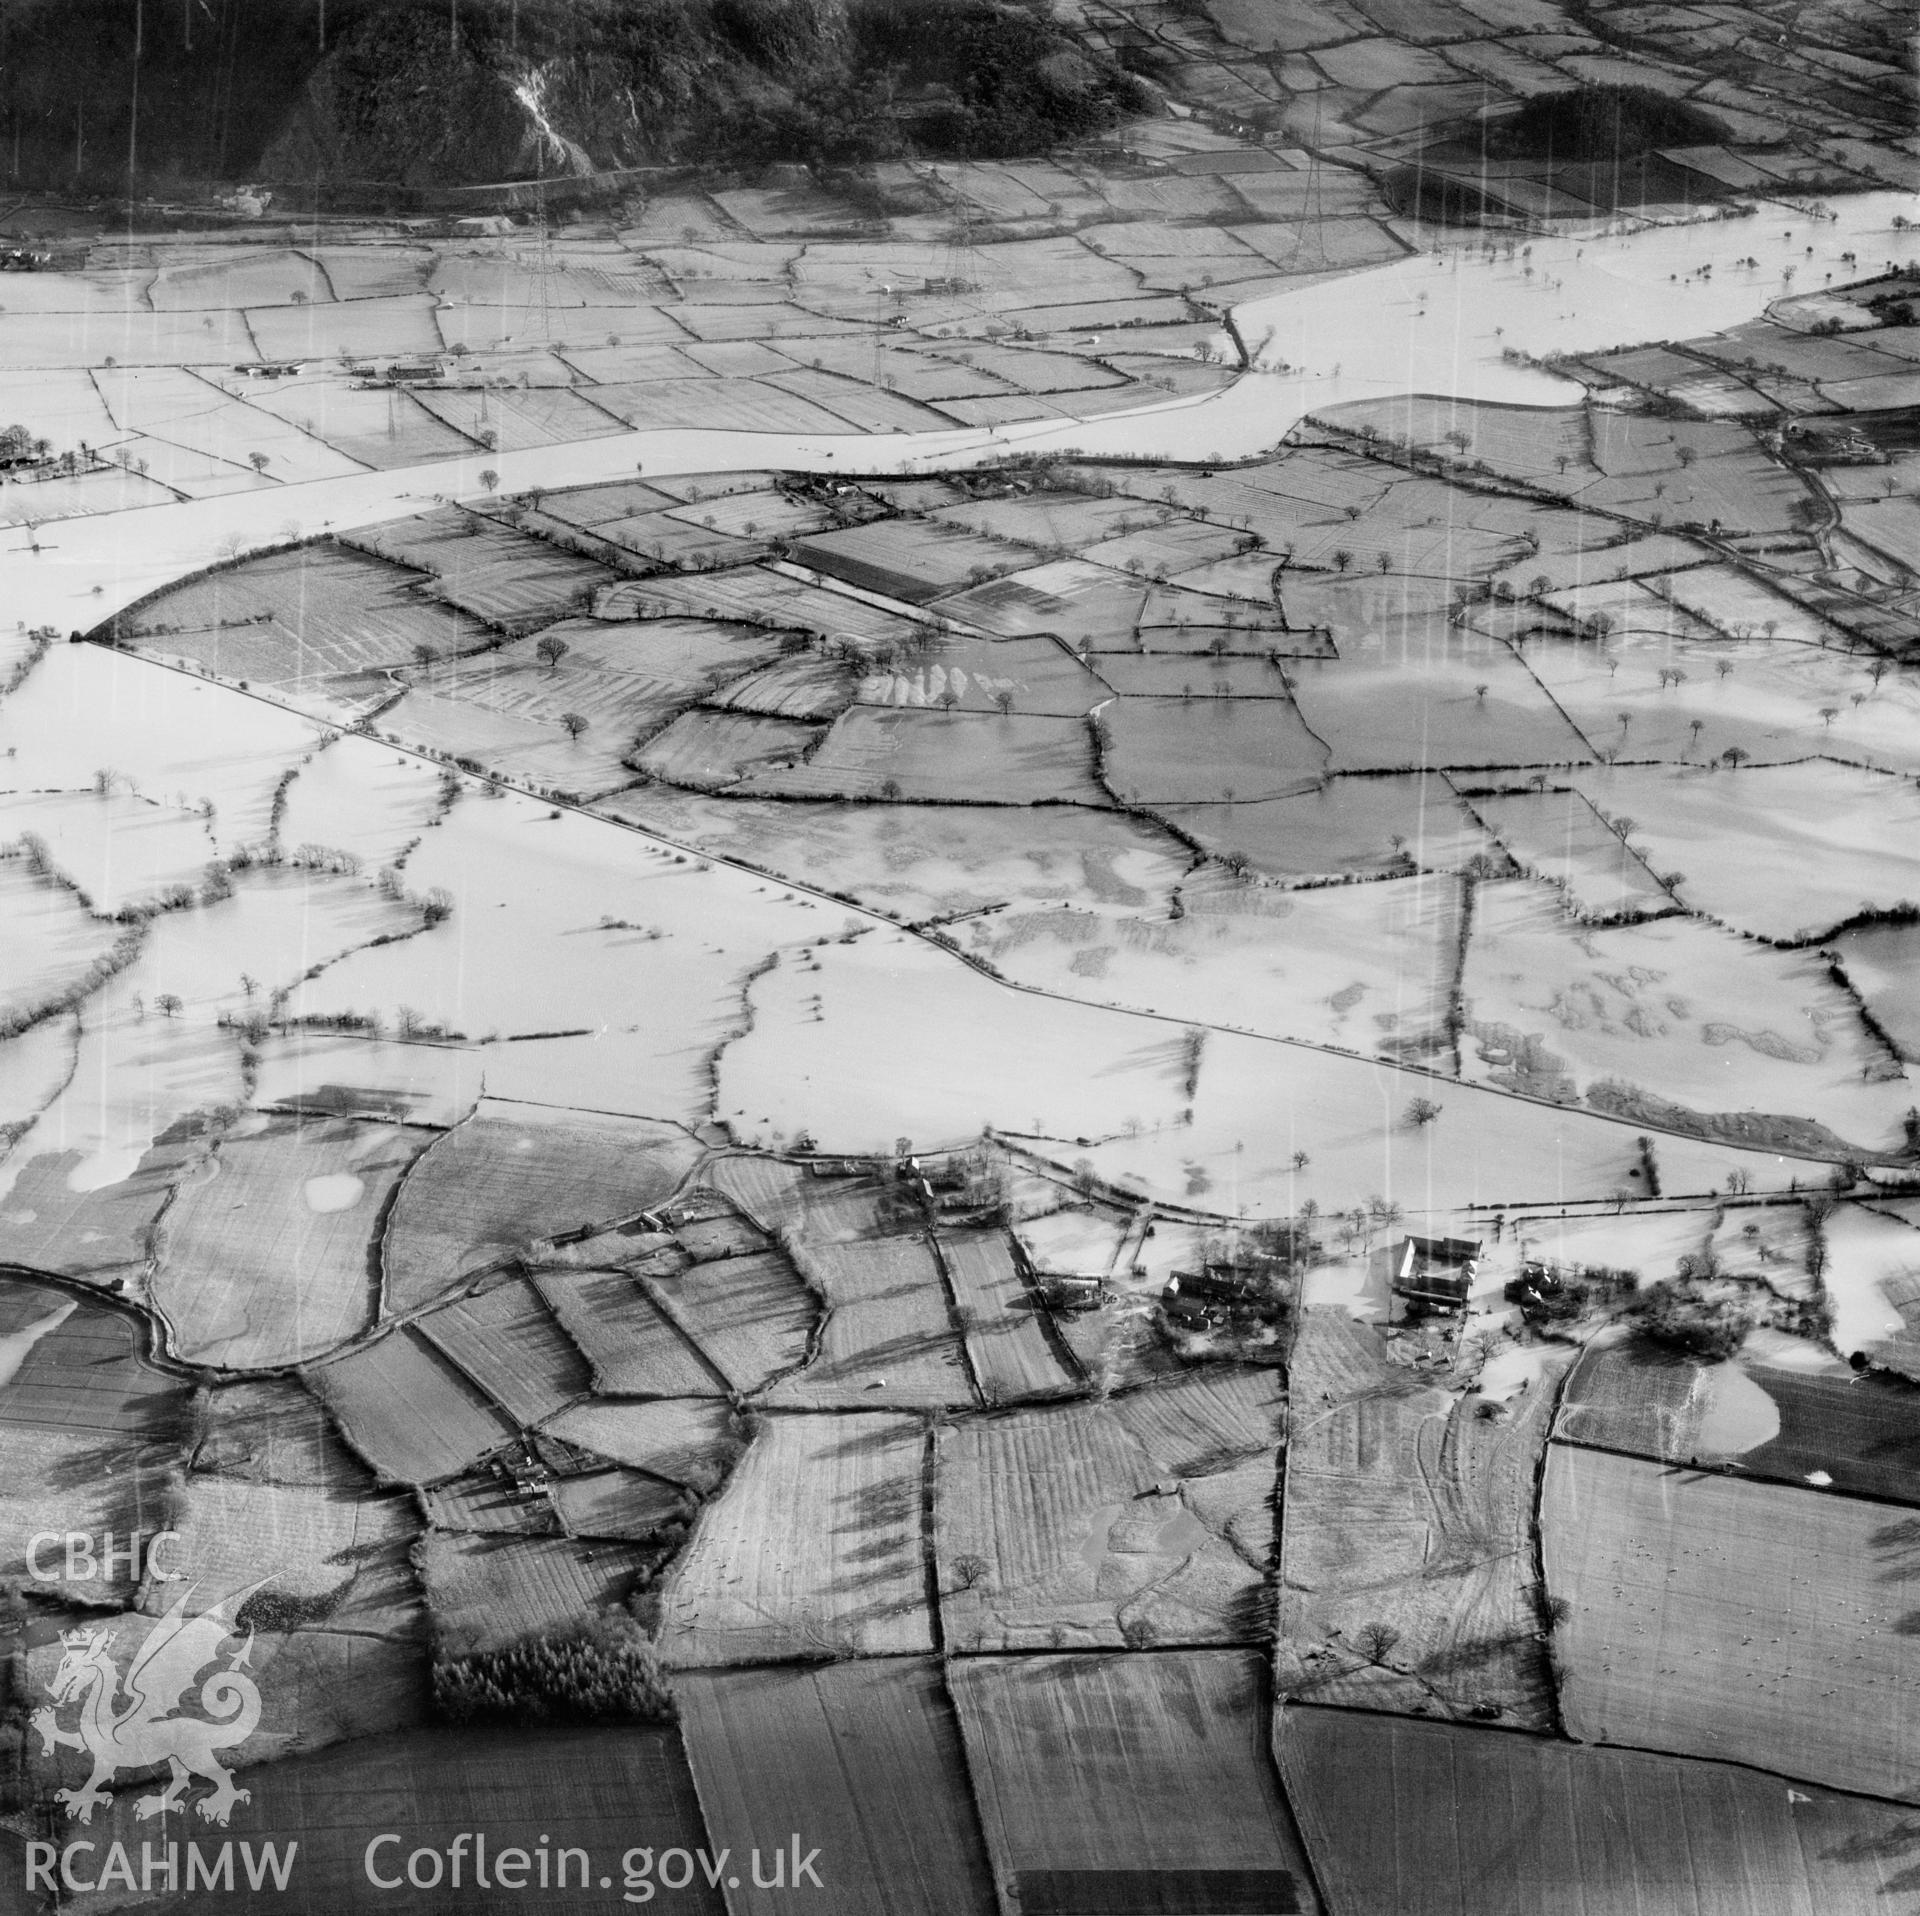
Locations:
(1434, 322)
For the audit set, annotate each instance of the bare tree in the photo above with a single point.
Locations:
(1376, 1641)
(574, 723)
(550, 650)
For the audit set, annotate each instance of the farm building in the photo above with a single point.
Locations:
(1215, 1294)
(1436, 1271)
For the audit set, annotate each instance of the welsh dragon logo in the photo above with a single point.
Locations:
(145, 1729)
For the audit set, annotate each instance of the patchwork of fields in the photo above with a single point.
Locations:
(762, 1146)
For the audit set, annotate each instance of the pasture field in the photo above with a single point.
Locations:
(714, 750)
(1691, 698)
(887, 1337)
(489, 1592)
(1364, 966)
(1105, 1779)
(1008, 1349)
(400, 324)
(1082, 1542)
(1735, 602)
(262, 1260)
(91, 1428)
(484, 567)
(1176, 751)
(513, 1173)
(721, 405)
(483, 1503)
(758, 595)
(1080, 603)
(56, 341)
(177, 406)
(1882, 963)
(865, 1758)
(1715, 1617)
(750, 1317)
(633, 1348)
(1049, 521)
(88, 492)
(812, 1550)
(1187, 675)
(562, 1791)
(381, 429)
(623, 1505)
(777, 1196)
(1557, 836)
(939, 756)
(1368, 827)
(1872, 1276)
(520, 421)
(590, 506)
(1033, 675)
(99, 1233)
(1519, 442)
(272, 1430)
(1403, 1507)
(331, 1555)
(685, 1440)
(1860, 1434)
(670, 540)
(1174, 546)
(1479, 1819)
(1382, 708)
(318, 1686)
(300, 621)
(1685, 1011)
(799, 686)
(408, 1412)
(505, 1339)
(1783, 851)
(1198, 1426)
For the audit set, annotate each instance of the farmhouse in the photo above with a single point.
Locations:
(1436, 1271)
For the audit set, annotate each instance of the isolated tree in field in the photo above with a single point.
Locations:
(550, 651)
(257, 460)
(1422, 1112)
(1695, 726)
(1342, 559)
(1301, 1160)
(890, 790)
(424, 655)
(1685, 454)
(1480, 693)
(969, 1572)
(1376, 1641)
(1829, 713)
(574, 724)
(489, 478)
(1004, 699)
(168, 1004)
(949, 699)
